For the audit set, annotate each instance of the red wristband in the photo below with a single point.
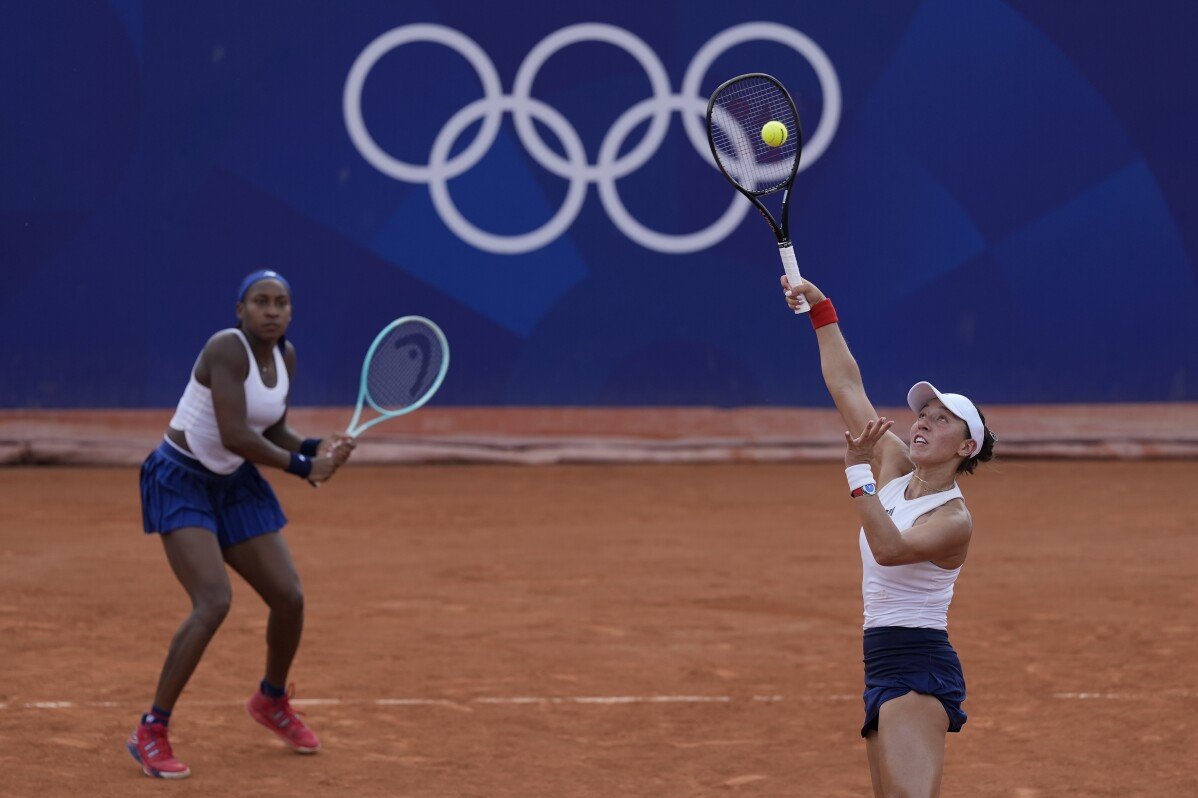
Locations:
(822, 313)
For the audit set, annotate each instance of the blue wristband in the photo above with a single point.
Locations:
(309, 446)
(300, 465)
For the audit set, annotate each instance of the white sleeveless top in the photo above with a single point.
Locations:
(914, 595)
(196, 419)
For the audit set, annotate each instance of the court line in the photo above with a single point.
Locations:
(610, 700)
(480, 700)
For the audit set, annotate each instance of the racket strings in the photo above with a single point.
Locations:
(738, 114)
(404, 367)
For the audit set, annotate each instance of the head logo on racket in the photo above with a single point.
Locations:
(404, 367)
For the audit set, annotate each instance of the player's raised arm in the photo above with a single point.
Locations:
(913, 540)
(842, 377)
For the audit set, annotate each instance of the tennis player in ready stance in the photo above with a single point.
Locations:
(914, 537)
(201, 492)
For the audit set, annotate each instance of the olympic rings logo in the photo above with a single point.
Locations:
(609, 166)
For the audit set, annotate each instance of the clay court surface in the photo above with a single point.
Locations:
(606, 631)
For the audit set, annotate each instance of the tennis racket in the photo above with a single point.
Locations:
(737, 114)
(404, 367)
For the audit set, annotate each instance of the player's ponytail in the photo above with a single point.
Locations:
(987, 452)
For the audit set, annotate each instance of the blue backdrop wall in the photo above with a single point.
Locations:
(996, 194)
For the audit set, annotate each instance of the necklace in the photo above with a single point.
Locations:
(927, 486)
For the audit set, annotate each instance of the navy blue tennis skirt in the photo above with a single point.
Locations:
(178, 491)
(899, 660)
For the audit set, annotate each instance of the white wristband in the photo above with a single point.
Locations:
(859, 475)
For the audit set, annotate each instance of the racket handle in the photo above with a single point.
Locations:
(352, 434)
(791, 264)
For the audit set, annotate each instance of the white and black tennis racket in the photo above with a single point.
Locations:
(737, 117)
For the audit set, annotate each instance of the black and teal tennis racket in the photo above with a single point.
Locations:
(404, 367)
(755, 136)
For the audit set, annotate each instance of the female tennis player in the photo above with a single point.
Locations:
(915, 533)
(202, 493)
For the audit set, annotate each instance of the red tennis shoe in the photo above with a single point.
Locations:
(149, 746)
(277, 715)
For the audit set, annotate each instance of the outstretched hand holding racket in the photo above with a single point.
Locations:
(403, 368)
(756, 139)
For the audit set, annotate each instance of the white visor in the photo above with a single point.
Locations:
(923, 392)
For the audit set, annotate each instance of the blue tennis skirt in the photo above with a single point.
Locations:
(178, 491)
(899, 660)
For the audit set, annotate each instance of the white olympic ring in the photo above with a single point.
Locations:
(610, 166)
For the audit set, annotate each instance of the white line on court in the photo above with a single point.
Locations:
(609, 700)
(1126, 696)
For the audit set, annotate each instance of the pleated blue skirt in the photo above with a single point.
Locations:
(178, 491)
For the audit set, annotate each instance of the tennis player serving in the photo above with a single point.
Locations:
(202, 494)
(914, 537)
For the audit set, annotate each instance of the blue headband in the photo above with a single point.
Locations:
(261, 274)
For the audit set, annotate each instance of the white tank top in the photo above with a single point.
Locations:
(196, 419)
(915, 595)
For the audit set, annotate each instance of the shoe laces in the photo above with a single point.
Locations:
(158, 745)
(283, 705)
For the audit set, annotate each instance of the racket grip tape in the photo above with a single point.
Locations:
(791, 264)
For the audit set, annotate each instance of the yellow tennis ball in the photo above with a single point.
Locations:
(774, 133)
